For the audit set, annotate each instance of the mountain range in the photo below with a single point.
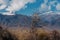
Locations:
(50, 20)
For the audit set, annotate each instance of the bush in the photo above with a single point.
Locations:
(39, 34)
(6, 35)
(55, 35)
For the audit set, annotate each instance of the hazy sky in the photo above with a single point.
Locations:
(28, 7)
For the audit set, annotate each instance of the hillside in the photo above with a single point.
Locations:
(47, 20)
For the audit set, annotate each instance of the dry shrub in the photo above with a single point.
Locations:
(54, 35)
(26, 35)
(20, 34)
(6, 35)
(40, 34)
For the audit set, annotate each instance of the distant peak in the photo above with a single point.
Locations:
(51, 12)
(8, 13)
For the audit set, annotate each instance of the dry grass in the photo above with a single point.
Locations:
(24, 34)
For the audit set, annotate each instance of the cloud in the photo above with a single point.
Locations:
(14, 5)
(8, 13)
(47, 6)
(45, 1)
(53, 2)
(18, 4)
(51, 12)
(3, 4)
(44, 7)
(2, 7)
(58, 6)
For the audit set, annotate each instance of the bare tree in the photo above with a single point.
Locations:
(34, 25)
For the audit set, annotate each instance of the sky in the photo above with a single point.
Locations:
(28, 7)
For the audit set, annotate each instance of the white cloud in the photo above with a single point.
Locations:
(14, 5)
(53, 2)
(18, 4)
(51, 12)
(49, 7)
(3, 4)
(2, 7)
(44, 7)
(7, 13)
(45, 1)
(58, 6)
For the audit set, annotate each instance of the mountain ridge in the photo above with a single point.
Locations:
(50, 20)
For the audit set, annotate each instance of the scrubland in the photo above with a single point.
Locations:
(28, 34)
(38, 34)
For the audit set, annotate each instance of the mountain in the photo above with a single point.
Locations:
(49, 20)
(14, 20)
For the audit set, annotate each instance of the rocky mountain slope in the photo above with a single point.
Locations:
(49, 20)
